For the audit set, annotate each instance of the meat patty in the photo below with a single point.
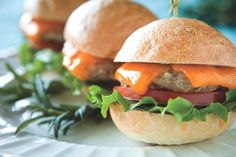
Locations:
(178, 82)
(56, 36)
(103, 71)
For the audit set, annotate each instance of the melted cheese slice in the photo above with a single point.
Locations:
(78, 63)
(204, 75)
(35, 28)
(139, 76)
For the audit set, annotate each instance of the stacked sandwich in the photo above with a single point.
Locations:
(177, 83)
(44, 20)
(95, 32)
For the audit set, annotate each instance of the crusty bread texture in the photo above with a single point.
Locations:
(100, 27)
(52, 10)
(165, 130)
(178, 41)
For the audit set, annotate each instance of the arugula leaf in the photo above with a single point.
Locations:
(41, 61)
(73, 83)
(26, 54)
(231, 95)
(191, 116)
(107, 101)
(95, 95)
(231, 106)
(181, 108)
(47, 60)
(125, 103)
(219, 110)
(144, 101)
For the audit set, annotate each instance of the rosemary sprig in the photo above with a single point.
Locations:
(59, 118)
(22, 87)
(17, 89)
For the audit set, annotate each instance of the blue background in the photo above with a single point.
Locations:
(11, 10)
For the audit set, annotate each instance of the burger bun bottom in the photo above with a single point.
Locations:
(164, 130)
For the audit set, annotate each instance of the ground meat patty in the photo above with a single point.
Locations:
(56, 36)
(178, 82)
(103, 71)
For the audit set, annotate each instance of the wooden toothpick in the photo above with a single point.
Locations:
(174, 8)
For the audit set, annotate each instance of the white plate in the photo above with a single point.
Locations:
(102, 139)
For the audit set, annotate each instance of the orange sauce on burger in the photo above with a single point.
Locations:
(140, 75)
(78, 63)
(204, 75)
(35, 28)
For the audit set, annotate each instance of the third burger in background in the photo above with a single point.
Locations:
(43, 21)
(94, 34)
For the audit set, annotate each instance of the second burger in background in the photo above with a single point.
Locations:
(94, 34)
(44, 20)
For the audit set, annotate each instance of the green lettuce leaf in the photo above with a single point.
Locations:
(40, 61)
(231, 100)
(107, 101)
(47, 60)
(231, 95)
(179, 107)
(219, 110)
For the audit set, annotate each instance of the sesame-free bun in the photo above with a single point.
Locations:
(52, 10)
(165, 130)
(178, 41)
(100, 27)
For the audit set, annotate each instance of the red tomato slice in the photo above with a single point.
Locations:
(198, 99)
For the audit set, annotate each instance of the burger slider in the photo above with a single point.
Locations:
(95, 32)
(43, 21)
(178, 81)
